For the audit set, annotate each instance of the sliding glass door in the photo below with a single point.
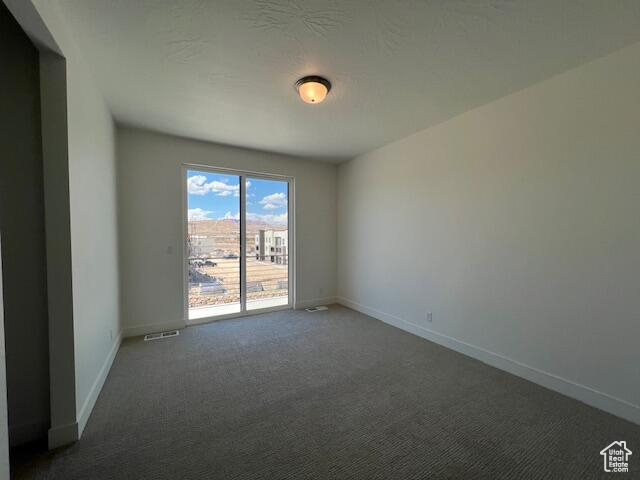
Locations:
(238, 245)
(213, 244)
(267, 245)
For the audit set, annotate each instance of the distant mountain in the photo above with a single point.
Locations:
(232, 223)
(261, 224)
(223, 234)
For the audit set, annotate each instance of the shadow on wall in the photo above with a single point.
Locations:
(23, 236)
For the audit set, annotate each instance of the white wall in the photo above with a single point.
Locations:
(93, 222)
(517, 225)
(150, 215)
(94, 250)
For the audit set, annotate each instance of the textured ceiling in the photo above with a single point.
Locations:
(224, 70)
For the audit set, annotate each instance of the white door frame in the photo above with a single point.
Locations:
(243, 175)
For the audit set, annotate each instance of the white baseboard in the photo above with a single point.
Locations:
(137, 330)
(63, 435)
(314, 301)
(583, 393)
(96, 388)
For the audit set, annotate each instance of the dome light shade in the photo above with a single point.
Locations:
(313, 89)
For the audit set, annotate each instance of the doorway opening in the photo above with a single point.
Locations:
(238, 249)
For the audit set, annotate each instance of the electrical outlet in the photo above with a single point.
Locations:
(429, 317)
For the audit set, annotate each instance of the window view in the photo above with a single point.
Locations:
(213, 244)
(215, 286)
(267, 243)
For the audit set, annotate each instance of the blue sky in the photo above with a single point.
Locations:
(214, 196)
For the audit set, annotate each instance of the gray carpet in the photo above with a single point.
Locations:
(336, 394)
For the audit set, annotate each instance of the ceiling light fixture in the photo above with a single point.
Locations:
(313, 89)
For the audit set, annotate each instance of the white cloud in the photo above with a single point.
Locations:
(281, 219)
(230, 216)
(196, 214)
(198, 185)
(274, 201)
(268, 218)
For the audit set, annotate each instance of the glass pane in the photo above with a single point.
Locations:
(267, 243)
(213, 244)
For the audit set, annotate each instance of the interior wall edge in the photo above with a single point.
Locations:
(31, 22)
(62, 435)
(53, 85)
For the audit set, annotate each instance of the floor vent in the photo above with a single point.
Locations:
(316, 309)
(158, 336)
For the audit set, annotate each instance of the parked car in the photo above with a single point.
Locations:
(201, 262)
(196, 262)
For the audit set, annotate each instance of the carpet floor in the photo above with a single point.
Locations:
(326, 395)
